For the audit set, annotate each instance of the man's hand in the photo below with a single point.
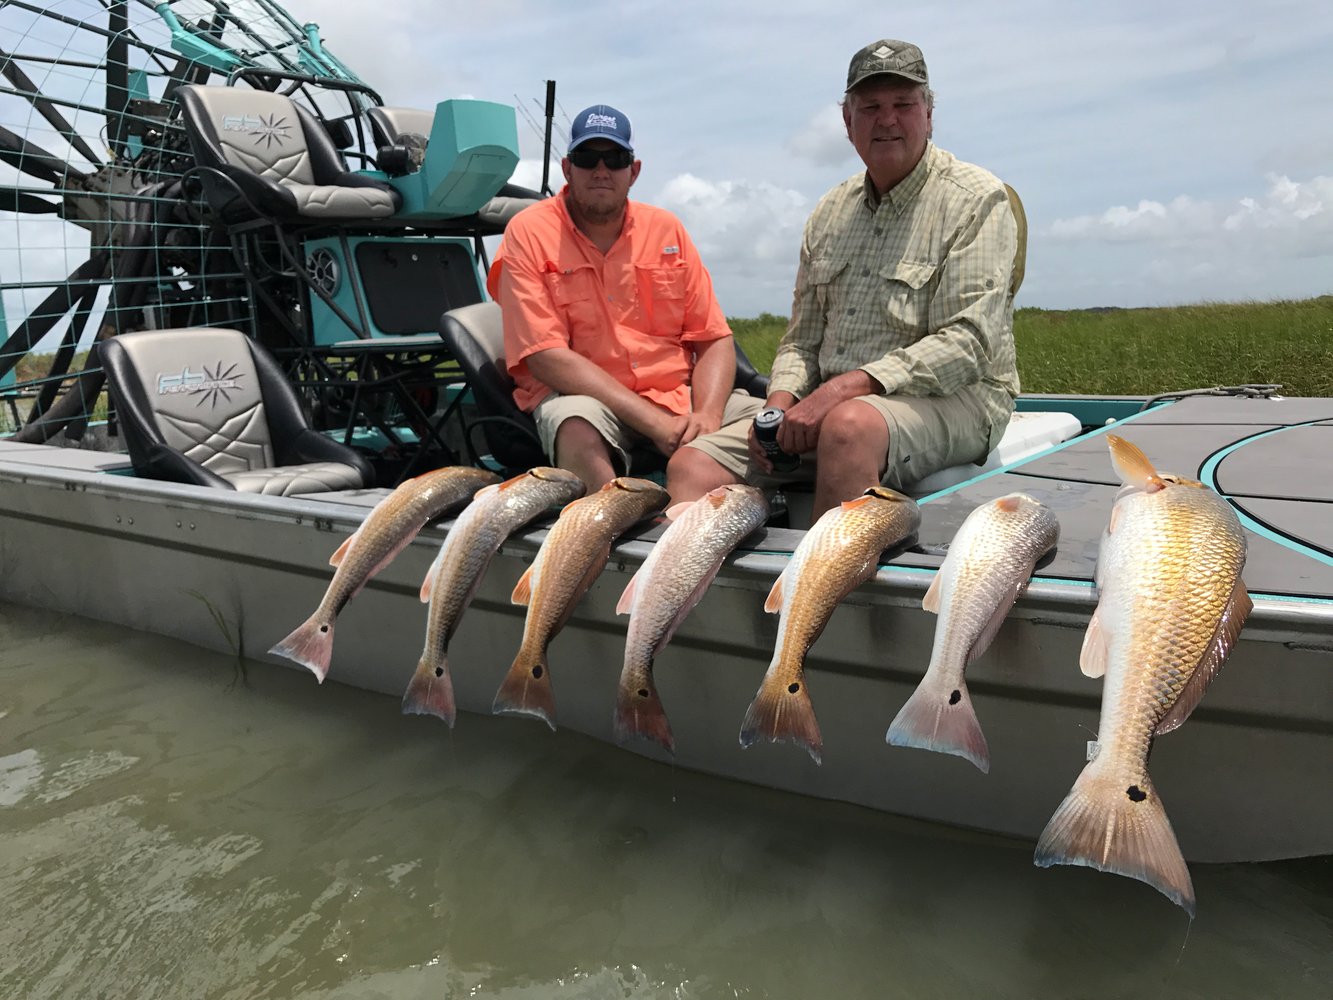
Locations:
(697, 424)
(668, 432)
(799, 432)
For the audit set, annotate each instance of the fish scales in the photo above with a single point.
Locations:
(1171, 604)
(988, 564)
(839, 553)
(387, 530)
(684, 560)
(569, 560)
(492, 516)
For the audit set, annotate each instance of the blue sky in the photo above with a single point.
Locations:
(1166, 152)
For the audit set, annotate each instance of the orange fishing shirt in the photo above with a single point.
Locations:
(635, 312)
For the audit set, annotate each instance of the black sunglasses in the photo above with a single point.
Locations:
(615, 159)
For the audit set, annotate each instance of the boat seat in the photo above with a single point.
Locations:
(211, 407)
(1028, 433)
(395, 129)
(475, 336)
(264, 156)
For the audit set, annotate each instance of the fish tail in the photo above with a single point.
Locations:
(783, 712)
(431, 691)
(940, 717)
(526, 689)
(639, 713)
(1120, 830)
(311, 645)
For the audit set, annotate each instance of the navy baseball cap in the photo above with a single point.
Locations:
(601, 121)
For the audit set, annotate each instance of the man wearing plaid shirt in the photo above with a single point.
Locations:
(899, 357)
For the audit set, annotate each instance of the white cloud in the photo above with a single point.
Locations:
(748, 234)
(823, 139)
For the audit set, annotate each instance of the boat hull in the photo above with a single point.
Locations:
(236, 572)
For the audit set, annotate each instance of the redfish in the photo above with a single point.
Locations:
(569, 561)
(1171, 604)
(988, 565)
(386, 531)
(492, 516)
(668, 585)
(838, 554)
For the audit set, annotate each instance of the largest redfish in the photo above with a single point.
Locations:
(572, 555)
(838, 554)
(1170, 607)
(385, 532)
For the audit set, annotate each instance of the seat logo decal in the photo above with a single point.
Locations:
(210, 386)
(267, 131)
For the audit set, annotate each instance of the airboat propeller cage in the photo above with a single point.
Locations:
(473, 150)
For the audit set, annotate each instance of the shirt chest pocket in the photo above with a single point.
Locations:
(823, 275)
(575, 297)
(906, 289)
(663, 291)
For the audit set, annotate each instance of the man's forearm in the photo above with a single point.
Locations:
(714, 377)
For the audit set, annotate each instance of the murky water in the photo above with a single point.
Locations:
(173, 827)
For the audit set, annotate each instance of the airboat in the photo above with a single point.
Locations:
(122, 129)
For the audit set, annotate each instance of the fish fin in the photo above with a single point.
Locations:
(1122, 831)
(311, 645)
(676, 509)
(428, 584)
(389, 557)
(508, 484)
(783, 713)
(941, 718)
(431, 691)
(627, 596)
(1238, 609)
(856, 502)
(639, 713)
(1008, 504)
(526, 690)
(997, 619)
(774, 602)
(337, 558)
(1092, 657)
(931, 602)
(1133, 466)
(523, 589)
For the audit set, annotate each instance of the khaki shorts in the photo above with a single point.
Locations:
(555, 409)
(926, 434)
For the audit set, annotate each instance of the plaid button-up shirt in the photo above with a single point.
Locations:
(912, 287)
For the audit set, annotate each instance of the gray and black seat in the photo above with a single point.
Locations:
(261, 155)
(475, 336)
(211, 407)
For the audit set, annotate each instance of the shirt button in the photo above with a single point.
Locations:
(879, 231)
(851, 311)
(865, 272)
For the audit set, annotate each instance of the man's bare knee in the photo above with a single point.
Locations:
(691, 473)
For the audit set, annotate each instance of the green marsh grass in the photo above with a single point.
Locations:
(1146, 351)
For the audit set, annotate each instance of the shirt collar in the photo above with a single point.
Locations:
(906, 189)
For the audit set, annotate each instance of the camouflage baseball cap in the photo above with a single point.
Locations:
(887, 56)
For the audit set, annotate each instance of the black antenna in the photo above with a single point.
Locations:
(550, 116)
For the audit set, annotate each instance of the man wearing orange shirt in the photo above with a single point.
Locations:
(612, 333)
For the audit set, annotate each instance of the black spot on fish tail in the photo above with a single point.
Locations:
(439, 671)
(793, 688)
(537, 671)
(643, 692)
(955, 698)
(1135, 793)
